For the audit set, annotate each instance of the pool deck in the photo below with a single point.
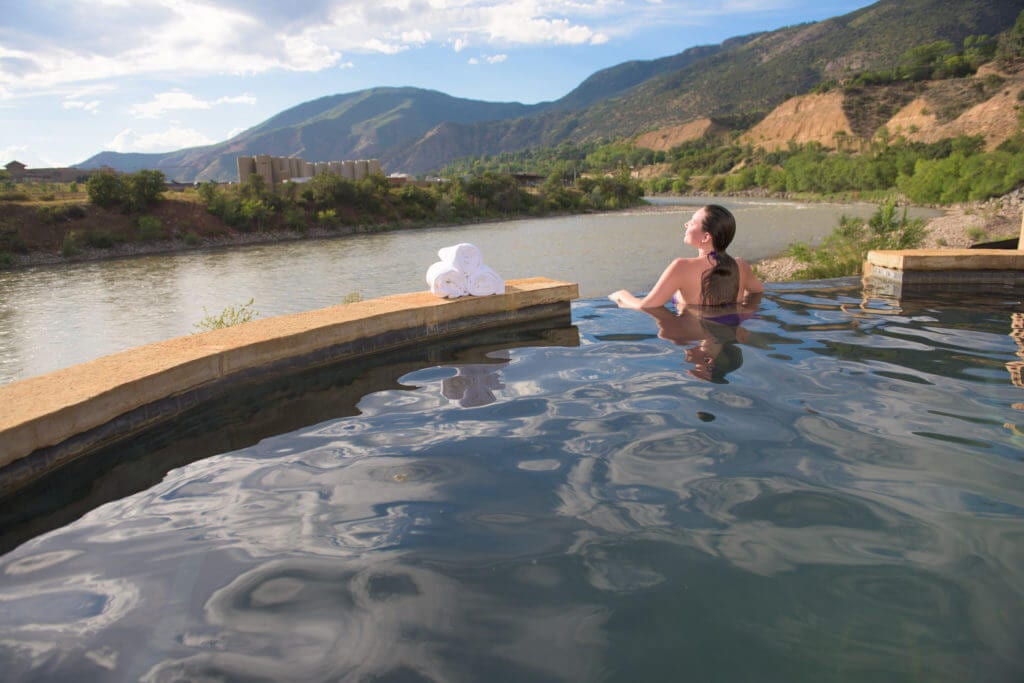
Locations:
(924, 270)
(65, 413)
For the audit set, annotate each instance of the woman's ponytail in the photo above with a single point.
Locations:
(720, 283)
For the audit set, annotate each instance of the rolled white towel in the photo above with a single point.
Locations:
(464, 256)
(446, 281)
(483, 282)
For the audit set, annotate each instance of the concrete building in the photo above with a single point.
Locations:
(276, 170)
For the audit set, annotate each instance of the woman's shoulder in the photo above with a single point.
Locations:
(685, 262)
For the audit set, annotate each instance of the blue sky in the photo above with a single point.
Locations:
(77, 78)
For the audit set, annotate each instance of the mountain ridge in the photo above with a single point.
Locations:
(414, 130)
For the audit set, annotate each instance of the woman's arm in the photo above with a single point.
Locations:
(660, 294)
(749, 282)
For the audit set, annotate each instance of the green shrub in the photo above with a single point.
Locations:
(6, 259)
(327, 218)
(15, 196)
(105, 189)
(11, 241)
(842, 253)
(134, 191)
(295, 219)
(231, 315)
(254, 212)
(191, 238)
(71, 244)
(150, 228)
(100, 240)
(143, 189)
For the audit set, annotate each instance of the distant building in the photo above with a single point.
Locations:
(16, 169)
(23, 174)
(275, 170)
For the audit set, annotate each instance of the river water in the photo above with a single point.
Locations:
(55, 316)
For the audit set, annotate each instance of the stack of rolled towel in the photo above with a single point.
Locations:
(461, 271)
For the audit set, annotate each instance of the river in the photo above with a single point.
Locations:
(55, 316)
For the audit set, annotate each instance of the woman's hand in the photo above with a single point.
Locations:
(618, 297)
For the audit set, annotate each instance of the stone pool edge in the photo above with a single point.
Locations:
(41, 413)
(907, 271)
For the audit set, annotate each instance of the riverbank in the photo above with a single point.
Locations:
(201, 230)
(959, 227)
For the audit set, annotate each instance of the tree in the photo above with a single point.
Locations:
(1011, 43)
(105, 189)
(919, 62)
(143, 189)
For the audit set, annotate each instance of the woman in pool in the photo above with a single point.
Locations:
(713, 278)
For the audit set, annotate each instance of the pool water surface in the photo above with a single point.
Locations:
(830, 488)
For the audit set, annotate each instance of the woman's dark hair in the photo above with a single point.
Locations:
(720, 284)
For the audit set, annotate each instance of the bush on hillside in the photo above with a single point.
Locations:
(133, 192)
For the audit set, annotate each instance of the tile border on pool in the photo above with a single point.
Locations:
(65, 413)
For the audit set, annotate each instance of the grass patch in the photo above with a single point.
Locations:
(150, 228)
(231, 315)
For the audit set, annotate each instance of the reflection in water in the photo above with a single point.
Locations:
(473, 385)
(713, 336)
(378, 618)
(848, 507)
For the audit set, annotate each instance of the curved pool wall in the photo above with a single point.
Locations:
(243, 414)
(50, 420)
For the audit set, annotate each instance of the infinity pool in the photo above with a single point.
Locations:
(830, 490)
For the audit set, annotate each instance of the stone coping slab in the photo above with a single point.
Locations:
(947, 259)
(47, 410)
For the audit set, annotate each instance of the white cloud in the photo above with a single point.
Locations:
(522, 23)
(92, 106)
(415, 37)
(236, 99)
(171, 139)
(25, 155)
(490, 59)
(82, 43)
(179, 100)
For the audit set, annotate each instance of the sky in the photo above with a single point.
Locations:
(78, 78)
